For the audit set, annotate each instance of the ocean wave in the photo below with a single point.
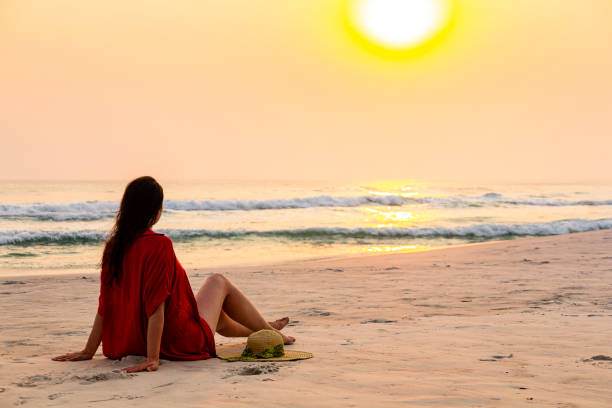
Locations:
(476, 231)
(497, 200)
(84, 211)
(105, 209)
(51, 237)
(95, 210)
(282, 203)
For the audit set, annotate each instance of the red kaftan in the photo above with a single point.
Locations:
(151, 275)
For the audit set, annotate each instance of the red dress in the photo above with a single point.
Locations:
(151, 275)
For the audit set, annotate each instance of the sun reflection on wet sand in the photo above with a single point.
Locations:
(403, 248)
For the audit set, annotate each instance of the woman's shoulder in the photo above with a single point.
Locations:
(155, 239)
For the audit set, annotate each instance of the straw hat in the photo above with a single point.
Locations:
(264, 345)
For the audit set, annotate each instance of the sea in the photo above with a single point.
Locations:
(53, 227)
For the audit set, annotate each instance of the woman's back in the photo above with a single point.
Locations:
(151, 274)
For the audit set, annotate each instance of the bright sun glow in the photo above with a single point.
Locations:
(399, 24)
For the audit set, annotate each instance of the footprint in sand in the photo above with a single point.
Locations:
(94, 378)
(600, 358)
(46, 379)
(35, 381)
(257, 370)
(163, 385)
(313, 311)
(69, 333)
(378, 321)
(12, 343)
(496, 357)
(266, 368)
(56, 395)
(119, 397)
(525, 260)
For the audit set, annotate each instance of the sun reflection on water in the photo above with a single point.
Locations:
(393, 215)
(387, 218)
(393, 189)
(393, 194)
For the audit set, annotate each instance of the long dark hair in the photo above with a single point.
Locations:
(141, 202)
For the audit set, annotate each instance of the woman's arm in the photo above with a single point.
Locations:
(95, 337)
(154, 335)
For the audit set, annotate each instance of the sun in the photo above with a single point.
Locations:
(398, 26)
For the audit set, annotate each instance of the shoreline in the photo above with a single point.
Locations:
(342, 256)
(499, 323)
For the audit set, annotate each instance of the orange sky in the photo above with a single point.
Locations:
(518, 90)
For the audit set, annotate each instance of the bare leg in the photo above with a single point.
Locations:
(219, 294)
(230, 328)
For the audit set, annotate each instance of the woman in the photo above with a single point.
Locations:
(146, 305)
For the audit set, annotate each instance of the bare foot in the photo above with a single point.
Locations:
(287, 339)
(280, 323)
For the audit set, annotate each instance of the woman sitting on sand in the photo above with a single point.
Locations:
(146, 305)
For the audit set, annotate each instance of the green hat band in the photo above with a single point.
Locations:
(276, 351)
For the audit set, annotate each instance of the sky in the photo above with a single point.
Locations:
(516, 90)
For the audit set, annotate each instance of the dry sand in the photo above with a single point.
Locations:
(515, 324)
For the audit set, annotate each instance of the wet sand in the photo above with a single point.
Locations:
(524, 322)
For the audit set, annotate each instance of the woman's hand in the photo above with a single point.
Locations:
(78, 356)
(154, 335)
(149, 365)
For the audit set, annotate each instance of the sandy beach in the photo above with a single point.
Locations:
(525, 322)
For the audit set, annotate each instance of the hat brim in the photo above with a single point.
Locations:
(233, 353)
(290, 355)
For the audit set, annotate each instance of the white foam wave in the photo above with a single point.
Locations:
(498, 200)
(50, 237)
(93, 210)
(477, 231)
(89, 210)
(105, 209)
(283, 203)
